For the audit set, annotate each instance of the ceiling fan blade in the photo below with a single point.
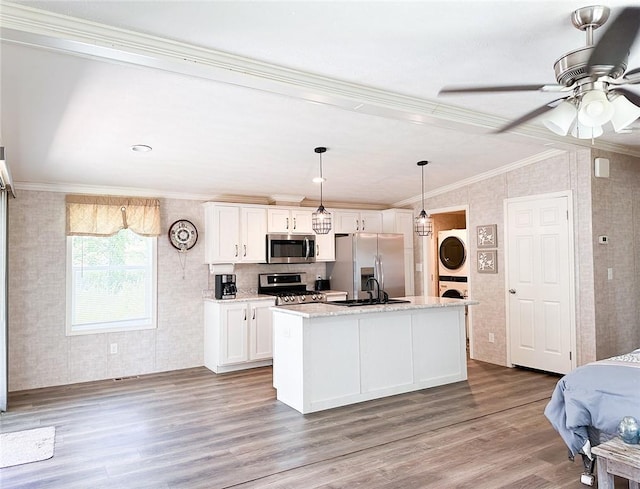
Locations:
(632, 76)
(503, 88)
(529, 116)
(634, 98)
(613, 47)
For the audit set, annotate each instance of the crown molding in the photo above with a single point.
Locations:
(39, 28)
(552, 153)
(102, 190)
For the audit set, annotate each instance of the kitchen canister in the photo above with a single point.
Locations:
(629, 430)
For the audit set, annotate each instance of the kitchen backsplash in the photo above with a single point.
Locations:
(247, 274)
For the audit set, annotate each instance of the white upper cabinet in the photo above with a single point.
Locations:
(288, 221)
(253, 231)
(399, 221)
(326, 246)
(347, 221)
(234, 233)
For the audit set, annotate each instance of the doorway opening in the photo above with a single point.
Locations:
(446, 258)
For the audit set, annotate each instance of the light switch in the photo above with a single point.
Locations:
(609, 273)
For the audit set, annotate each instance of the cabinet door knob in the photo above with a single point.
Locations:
(363, 224)
(236, 250)
(245, 250)
(287, 224)
(357, 225)
(512, 291)
(317, 250)
(294, 223)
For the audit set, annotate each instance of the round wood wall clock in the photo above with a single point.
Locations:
(183, 235)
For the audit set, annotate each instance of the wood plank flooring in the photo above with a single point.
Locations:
(195, 429)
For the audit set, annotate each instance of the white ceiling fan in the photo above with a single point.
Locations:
(592, 77)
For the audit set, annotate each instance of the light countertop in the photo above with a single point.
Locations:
(240, 297)
(208, 295)
(324, 309)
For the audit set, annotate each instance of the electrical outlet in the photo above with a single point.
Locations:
(113, 348)
(492, 338)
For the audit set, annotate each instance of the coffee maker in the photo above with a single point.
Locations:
(225, 286)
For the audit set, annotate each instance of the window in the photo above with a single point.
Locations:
(111, 283)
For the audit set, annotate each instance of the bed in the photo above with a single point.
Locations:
(588, 403)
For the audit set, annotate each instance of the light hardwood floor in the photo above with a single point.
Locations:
(195, 429)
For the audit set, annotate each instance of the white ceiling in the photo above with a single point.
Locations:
(234, 96)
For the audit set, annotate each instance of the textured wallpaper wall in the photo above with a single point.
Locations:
(485, 200)
(39, 352)
(616, 214)
(607, 311)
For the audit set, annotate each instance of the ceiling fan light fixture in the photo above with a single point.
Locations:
(321, 218)
(624, 114)
(595, 109)
(580, 131)
(561, 118)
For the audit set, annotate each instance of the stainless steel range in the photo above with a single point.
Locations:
(289, 288)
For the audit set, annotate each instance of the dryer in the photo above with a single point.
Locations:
(453, 259)
(453, 289)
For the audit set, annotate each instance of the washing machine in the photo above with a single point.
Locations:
(453, 260)
(455, 289)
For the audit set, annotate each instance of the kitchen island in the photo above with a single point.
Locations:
(327, 355)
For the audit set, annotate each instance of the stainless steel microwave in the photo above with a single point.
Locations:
(291, 248)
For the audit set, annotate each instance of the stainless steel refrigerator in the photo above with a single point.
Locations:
(363, 255)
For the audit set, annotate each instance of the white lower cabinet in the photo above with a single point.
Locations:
(333, 295)
(237, 335)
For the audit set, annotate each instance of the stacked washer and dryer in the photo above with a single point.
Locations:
(453, 266)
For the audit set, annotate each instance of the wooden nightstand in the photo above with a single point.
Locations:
(615, 457)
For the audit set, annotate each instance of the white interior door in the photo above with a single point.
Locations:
(4, 341)
(539, 265)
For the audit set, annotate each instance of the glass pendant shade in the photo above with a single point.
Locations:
(422, 225)
(595, 109)
(321, 219)
(624, 114)
(561, 118)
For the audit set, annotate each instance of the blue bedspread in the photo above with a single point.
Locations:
(595, 395)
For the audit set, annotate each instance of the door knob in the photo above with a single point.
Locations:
(512, 291)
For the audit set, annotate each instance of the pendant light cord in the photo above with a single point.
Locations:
(422, 187)
(321, 179)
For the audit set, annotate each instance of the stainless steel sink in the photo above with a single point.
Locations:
(367, 302)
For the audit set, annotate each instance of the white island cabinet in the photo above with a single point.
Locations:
(327, 356)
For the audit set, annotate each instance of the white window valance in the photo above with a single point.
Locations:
(104, 215)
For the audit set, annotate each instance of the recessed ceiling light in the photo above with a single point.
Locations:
(142, 148)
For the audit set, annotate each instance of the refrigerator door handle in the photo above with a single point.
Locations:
(381, 272)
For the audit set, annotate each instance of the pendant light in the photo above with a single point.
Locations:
(321, 219)
(422, 224)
